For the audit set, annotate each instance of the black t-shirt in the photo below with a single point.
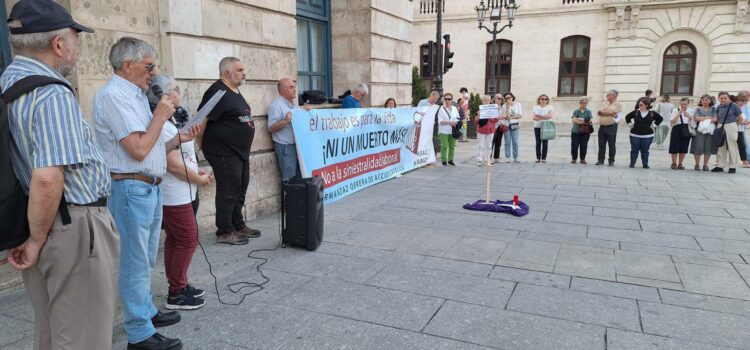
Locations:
(230, 129)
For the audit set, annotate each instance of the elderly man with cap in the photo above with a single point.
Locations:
(69, 262)
(135, 144)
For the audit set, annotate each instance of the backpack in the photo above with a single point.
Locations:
(14, 228)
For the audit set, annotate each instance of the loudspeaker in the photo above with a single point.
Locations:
(302, 210)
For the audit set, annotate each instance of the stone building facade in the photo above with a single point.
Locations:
(570, 48)
(354, 41)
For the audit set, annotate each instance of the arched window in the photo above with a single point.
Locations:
(574, 66)
(678, 70)
(501, 61)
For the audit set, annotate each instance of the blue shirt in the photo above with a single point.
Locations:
(49, 130)
(728, 113)
(350, 102)
(277, 111)
(120, 109)
(424, 103)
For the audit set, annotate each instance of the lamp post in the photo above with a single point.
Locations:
(495, 9)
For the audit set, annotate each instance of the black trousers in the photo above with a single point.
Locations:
(232, 174)
(541, 145)
(579, 142)
(742, 146)
(607, 136)
(497, 141)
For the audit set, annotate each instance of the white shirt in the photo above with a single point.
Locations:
(539, 110)
(514, 110)
(676, 112)
(175, 191)
(442, 116)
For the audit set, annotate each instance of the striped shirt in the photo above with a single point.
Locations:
(49, 130)
(120, 109)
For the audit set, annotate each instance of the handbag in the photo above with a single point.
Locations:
(684, 130)
(548, 131)
(720, 135)
(585, 128)
(504, 128)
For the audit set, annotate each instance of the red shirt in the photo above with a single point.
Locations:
(488, 128)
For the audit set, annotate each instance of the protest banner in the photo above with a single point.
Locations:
(352, 149)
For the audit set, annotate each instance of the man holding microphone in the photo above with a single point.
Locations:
(133, 141)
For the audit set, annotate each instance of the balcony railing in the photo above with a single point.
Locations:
(573, 2)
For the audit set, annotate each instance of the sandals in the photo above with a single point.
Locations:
(697, 167)
(681, 167)
(674, 166)
(705, 168)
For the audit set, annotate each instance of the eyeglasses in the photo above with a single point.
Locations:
(150, 67)
(543, 99)
(508, 97)
(448, 99)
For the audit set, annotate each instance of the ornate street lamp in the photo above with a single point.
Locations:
(495, 10)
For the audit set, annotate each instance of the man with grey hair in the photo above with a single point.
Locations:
(353, 100)
(609, 116)
(280, 127)
(430, 100)
(226, 144)
(134, 143)
(69, 261)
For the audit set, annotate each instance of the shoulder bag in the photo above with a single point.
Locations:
(720, 135)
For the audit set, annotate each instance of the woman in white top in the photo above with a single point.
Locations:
(543, 111)
(180, 203)
(447, 119)
(511, 114)
(679, 140)
(664, 108)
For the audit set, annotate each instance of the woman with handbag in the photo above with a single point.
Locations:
(512, 113)
(665, 107)
(542, 112)
(485, 133)
(581, 131)
(641, 133)
(679, 140)
(703, 143)
(447, 120)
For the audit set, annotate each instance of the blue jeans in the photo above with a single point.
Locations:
(287, 156)
(638, 144)
(511, 137)
(136, 208)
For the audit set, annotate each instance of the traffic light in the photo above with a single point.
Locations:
(448, 54)
(428, 56)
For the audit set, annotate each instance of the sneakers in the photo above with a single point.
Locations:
(645, 166)
(583, 161)
(601, 162)
(233, 238)
(631, 166)
(451, 163)
(248, 232)
(164, 319)
(717, 170)
(445, 163)
(157, 342)
(194, 292)
(184, 302)
(611, 163)
(732, 170)
(480, 163)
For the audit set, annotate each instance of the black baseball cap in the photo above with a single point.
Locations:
(38, 16)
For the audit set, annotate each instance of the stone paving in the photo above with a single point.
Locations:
(609, 258)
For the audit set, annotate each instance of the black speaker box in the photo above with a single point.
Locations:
(302, 208)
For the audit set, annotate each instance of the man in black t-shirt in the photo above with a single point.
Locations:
(229, 132)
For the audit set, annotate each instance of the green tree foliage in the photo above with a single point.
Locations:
(474, 102)
(418, 90)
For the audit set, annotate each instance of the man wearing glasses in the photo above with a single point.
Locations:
(135, 146)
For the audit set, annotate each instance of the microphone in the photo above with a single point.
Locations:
(157, 91)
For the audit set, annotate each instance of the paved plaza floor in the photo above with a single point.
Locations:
(608, 258)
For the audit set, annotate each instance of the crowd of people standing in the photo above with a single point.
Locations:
(689, 129)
